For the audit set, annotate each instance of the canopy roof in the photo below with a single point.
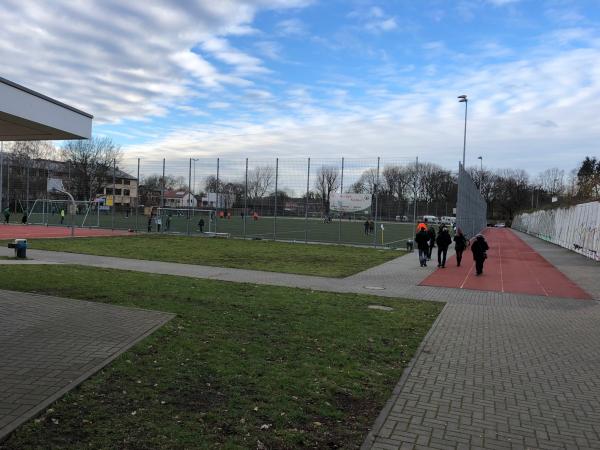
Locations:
(26, 115)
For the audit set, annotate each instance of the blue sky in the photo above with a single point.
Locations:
(297, 78)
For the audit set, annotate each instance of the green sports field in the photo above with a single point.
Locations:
(282, 228)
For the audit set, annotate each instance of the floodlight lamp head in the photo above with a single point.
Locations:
(464, 97)
(480, 157)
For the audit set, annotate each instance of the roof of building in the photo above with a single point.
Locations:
(27, 115)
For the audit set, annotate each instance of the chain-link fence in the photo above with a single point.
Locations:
(471, 207)
(576, 228)
(371, 201)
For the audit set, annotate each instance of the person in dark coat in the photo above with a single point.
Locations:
(366, 226)
(479, 249)
(460, 244)
(431, 234)
(443, 241)
(422, 240)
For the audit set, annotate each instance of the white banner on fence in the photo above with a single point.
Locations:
(349, 203)
(576, 228)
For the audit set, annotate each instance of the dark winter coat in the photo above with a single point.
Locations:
(460, 242)
(443, 239)
(431, 234)
(479, 248)
(422, 240)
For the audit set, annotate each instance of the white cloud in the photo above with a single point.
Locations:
(122, 60)
(502, 2)
(536, 112)
(291, 27)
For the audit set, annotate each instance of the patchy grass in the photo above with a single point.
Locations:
(321, 260)
(241, 366)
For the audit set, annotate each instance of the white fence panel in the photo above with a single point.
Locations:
(576, 228)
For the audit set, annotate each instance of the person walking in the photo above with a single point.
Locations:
(366, 226)
(6, 215)
(479, 249)
(201, 225)
(168, 222)
(422, 240)
(460, 244)
(62, 216)
(443, 241)
(431, 234)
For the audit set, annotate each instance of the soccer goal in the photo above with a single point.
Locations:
(184, 220)
(50, 212)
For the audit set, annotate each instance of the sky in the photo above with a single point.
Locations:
(320, 78)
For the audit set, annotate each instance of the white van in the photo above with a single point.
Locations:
(447, 220)
(430, 219)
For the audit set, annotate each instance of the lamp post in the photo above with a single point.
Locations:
(480, 158)
(463, 99)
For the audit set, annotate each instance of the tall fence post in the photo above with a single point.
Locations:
(306, 203)
(340, 210)
(217, 195)
(137, 196)
(415, 193)
(375, 188)
(1, 174)
(114, 196)
(189, 199)
(27, 189)
(276, 186)
(162, 187)
(245, 198)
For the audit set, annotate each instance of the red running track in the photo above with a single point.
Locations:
(512, 266)
(40, 231)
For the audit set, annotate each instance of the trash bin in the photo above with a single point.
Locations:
(21, 248)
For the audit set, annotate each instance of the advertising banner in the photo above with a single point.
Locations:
(349, 203)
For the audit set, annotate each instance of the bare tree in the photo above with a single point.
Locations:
(367, 182)
(260, 180)
(327, 181)
(91, 165)
(395, 181)
(155, 182)
(552, 181)
(32, 150)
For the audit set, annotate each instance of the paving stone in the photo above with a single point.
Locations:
(49, 345)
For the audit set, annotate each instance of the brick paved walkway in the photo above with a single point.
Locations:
(49, 345)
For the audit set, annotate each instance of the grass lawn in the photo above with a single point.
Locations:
(321, 260)
(241, 366)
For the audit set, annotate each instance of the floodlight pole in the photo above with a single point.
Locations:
(465, 100)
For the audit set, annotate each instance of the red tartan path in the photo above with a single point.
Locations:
(512, 266)
(40, 231)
